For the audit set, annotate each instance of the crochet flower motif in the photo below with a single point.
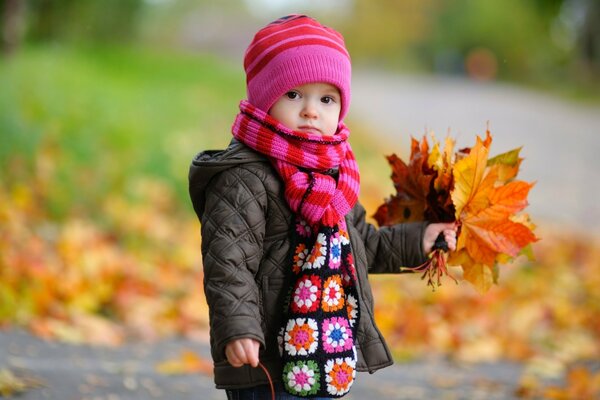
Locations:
(333, 294)
(335, 256)
(316, 259)
(302, 377)
(306, 295)
(344, 238)
(348, 271)
(352, 309)
(337, 335)
(303, 228)
(301, 336)
(340, 374)
(300, 256)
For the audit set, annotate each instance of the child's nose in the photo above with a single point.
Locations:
(309, 110)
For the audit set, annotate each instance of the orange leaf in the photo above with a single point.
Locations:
(511, 197)
(486, 207)
(488, 236)
(468, 174)
(405, 179)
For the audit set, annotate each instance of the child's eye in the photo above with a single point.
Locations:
(327, 99)
(292, 95)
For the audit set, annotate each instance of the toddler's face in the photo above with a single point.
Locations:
(312, 108)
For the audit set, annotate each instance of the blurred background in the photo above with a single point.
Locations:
(103, 104)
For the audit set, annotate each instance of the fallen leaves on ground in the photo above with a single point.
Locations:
(580, 383)
(12, 384)
(135, 276)
(188, 362)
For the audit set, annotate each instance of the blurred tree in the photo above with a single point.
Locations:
(512, 30)
(583, 16)
(382, 31)
(535, 41)
(107, 20)
(12, 25)
(548, 9)
(590, 36)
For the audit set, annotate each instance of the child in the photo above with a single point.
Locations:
(286, 249)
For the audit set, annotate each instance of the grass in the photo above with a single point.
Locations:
(91, 121)
(97, 119)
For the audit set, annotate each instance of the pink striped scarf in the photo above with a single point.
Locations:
(301, 160)
(319, 329)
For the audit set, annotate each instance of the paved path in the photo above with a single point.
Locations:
(560, 139)
(71, 372)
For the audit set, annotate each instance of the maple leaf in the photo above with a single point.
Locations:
(442, 163)
(468, 174)
(422, 185)
(485, 210)
(480, 275)
(507, 164)
(480, 193)
(412, 186)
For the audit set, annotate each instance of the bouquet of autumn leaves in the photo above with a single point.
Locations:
(479, 193)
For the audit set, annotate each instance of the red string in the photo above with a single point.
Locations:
(270, 380)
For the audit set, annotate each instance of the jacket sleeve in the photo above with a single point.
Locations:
(390, 248)
(233, 229)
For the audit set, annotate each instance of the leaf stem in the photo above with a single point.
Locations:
(434, 269)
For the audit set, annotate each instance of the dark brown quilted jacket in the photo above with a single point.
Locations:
(246, 228)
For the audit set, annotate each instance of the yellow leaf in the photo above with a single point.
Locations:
(481, 198)
(435, 157)
(459, 257)
(479, 275)
(468, 174)
(449, 151)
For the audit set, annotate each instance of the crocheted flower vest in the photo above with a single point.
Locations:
(318, 335)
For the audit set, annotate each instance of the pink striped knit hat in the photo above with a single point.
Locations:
(292, 51)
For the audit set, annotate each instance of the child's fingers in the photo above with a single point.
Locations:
(450, 237)
(251, 352)
(233, 353)
(242, 351)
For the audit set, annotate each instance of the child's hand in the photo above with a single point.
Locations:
(433, 230)
(242, 351)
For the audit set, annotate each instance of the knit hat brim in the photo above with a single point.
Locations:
(293, 51)
(295, 67)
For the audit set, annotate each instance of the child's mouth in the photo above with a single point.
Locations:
(309, 129)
